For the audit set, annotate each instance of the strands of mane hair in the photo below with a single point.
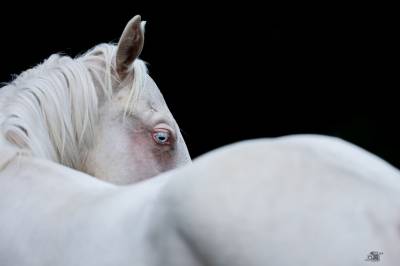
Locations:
(51, 110)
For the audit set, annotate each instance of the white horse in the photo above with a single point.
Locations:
(100, 113)
(298, 200)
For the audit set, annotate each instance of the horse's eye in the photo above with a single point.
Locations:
(161, 136)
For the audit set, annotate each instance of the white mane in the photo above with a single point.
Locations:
(51, 109)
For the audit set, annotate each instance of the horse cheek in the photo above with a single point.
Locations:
(143, 162)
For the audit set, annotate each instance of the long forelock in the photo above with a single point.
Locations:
(52, 109)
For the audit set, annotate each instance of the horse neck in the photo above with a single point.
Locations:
(51, 111)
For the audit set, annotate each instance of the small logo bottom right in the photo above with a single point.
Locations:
(374, 256)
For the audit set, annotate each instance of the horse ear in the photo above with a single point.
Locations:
(130, 45)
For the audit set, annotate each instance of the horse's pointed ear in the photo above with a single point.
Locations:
(130, 45)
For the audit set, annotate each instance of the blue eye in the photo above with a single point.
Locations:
(161, 137)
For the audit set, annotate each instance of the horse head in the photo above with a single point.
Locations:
(100, 113)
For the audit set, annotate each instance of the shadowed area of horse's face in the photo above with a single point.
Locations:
(136, 145)
(100, 113)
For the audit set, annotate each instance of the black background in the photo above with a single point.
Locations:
(240, 71)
